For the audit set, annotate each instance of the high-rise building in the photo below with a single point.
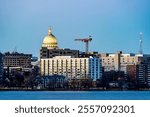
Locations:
(144, 74)
(132, 74)
(1, 65)
(119, 61)
(16, 59)
(72, 68)
(50, 53)
(139, 74)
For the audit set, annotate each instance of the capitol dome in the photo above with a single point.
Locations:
(50, 41)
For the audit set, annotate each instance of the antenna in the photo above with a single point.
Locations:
(141, 42)
(15, 49)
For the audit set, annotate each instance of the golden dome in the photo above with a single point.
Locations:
(50, 41)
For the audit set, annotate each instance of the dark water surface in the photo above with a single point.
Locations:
(74, 95)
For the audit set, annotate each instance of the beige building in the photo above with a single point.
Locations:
(72, 68)
(119, 61)
(16, 59)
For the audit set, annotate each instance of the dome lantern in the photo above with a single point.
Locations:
(49, 31)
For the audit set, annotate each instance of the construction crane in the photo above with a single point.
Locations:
(86, 41)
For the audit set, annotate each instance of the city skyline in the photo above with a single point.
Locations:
(114, 25)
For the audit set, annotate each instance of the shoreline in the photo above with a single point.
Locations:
(61, 89)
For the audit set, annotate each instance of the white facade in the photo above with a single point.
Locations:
(72, 68)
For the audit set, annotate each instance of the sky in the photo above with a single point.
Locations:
(113, 24)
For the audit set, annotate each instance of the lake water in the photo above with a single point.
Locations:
(74, 95)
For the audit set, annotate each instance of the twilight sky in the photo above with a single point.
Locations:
(114, 24)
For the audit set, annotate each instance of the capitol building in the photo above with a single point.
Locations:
(67, 62)
(51, 49)
(50, 41)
